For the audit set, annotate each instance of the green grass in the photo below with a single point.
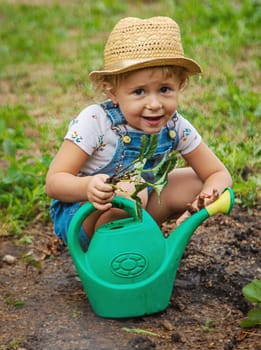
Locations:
(46, 52)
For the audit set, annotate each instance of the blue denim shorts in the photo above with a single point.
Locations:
(62, 214)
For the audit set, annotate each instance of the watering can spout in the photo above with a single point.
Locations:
(180, 236)
(129, 268)
(223, 204)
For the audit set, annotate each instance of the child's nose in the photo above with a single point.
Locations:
(153, 104)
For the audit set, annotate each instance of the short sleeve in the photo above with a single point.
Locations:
(189, 138)
(88, 128)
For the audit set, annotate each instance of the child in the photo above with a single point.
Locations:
(144, 72)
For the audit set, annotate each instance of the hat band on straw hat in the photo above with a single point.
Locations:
(141, 43)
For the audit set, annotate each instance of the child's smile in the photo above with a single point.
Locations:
(147, 99)
(153, 120)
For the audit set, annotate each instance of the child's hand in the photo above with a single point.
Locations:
(202, 200)
(99, 192)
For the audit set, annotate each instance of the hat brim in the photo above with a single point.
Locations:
(129, 65)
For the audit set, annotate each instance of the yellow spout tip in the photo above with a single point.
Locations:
(223, 204)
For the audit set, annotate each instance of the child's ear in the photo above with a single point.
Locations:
(109, 91)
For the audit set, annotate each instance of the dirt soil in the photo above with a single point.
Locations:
(43, 305)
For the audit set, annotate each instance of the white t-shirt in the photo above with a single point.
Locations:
(91, 131)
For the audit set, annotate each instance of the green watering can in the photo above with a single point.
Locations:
(129, 268)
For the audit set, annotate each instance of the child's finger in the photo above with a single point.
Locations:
(215, 194)
(201, 201)
(191, 208)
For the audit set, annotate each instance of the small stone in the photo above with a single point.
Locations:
(167, 325)
(9, 259)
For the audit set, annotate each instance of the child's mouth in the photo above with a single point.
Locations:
(153, 120)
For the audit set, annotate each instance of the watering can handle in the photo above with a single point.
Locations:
(85, 210)
(223, 204)
(88, 208)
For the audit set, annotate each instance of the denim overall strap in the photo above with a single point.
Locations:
(114, 114)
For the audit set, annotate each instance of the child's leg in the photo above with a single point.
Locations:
(183, 187)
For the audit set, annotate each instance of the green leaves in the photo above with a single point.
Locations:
(252, 292)
(134, 171)
(253, 319)
(161, 171)
(22, 194)
(9, 147)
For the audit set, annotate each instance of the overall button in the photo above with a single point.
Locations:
(172, 134)
(126, 139)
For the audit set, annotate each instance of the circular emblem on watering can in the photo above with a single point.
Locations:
(129, 264)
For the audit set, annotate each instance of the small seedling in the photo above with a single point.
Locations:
(13, 345)
(76, 313)
(26, 239)
(30, 260)
(11, 302)
(208, 326)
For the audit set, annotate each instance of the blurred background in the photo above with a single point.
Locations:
(47, 49)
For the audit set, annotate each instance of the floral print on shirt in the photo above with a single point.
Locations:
(101, 145)
(186, 133)
(76, 137)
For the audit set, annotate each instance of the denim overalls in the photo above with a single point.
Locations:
(127, 149)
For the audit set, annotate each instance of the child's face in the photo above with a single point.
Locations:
(147, 99)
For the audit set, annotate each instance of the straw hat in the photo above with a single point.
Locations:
(139, 43)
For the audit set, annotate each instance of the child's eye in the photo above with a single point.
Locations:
(164, 89)
(139, 92)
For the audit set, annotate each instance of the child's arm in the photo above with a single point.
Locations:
(209, 169)
(212, 172)
(63, 183)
